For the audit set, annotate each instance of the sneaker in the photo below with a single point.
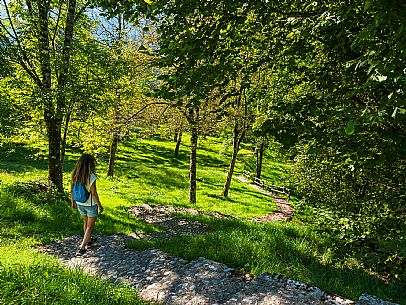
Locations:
(91, 241)
(80, 252)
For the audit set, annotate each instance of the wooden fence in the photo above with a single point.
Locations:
(266, 185)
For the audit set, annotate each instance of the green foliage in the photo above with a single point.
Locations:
(334, 84)
(7, 120)
(357, 204)
(13, 109)
(110, 89)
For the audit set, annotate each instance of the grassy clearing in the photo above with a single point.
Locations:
(147, 172)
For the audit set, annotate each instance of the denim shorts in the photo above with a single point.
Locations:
(89, 211)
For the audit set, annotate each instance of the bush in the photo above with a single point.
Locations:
(39, 189)
(362, 206)
(41, 216)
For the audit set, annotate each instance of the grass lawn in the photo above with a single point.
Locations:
(147, 172)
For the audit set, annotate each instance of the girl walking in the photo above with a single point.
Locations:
(85, 198)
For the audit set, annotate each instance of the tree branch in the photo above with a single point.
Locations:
(24, 61)
(66, 52)
(56, 27)
(141, 110)
(29, 5)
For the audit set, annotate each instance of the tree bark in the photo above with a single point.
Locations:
(176, 135)
(193, 116)
(65, 134)
(193, 162)
(52, 120)
(236, 147)
(113, 149)
(179, 140)
(238, 135)
(63, 74)
(259, 153)
(54, 152)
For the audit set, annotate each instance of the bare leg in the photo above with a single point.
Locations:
(84, 223)
(88, 228)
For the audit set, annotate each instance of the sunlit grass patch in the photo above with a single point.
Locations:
(28, 277)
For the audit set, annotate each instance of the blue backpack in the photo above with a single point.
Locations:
(80, 193)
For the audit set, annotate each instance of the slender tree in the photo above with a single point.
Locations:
(38, 37)
(192, 116)
(239, 117)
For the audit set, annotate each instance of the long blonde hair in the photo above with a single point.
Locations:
(85, 166)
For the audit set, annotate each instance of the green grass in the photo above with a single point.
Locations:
(36, 278)
(147, 172)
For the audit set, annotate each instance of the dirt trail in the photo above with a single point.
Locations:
(285, 209)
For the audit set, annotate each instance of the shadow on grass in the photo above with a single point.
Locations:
(37, 217)
(216, 196)
(120, 220)
(147, 154)
(150, 154)
(166, 178)
(21, 158)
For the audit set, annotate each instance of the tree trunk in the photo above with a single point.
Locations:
(236, 147)
(179, 140)
(238, 135)
(52, 119)
(54, 151)
(65, 134)
(113, 149)
(192, 116)
(193, 176)
(176, 135)
(256, 152)
(259, 152)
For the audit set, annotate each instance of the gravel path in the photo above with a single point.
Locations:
(167, 279)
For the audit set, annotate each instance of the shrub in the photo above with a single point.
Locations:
(361, 205)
